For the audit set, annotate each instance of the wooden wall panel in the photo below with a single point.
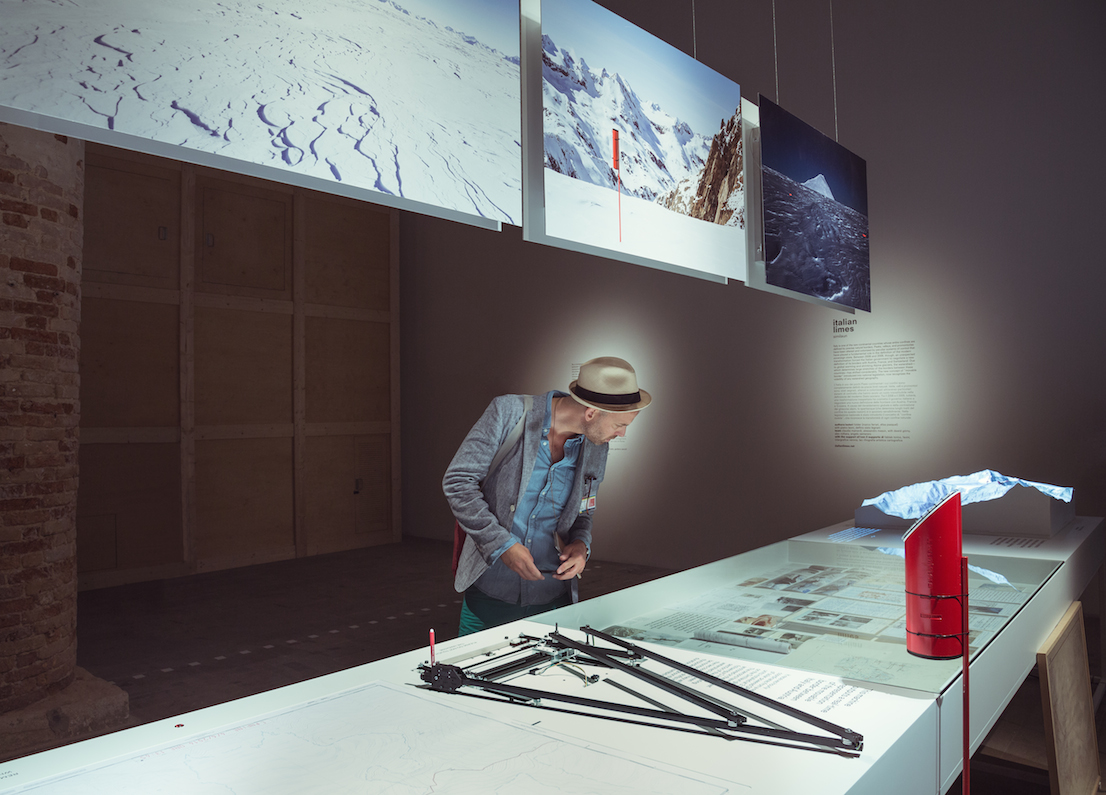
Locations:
(344, 269)
(348, 371)
(132, 220)
(329, 485)
(243, 501)
(243, 367)
(241, 345)
(373, 495)
(129, 370)
(128, 506)
(244, 239)
(97, 543)
(348, 492)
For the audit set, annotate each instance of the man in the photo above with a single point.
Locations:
(524, 486)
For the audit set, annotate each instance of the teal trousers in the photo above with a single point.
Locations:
(480, 611)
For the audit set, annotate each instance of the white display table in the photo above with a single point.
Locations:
(1056, 570)
(367, 729)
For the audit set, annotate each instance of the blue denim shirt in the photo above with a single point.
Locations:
(484, 501)
(535, 519)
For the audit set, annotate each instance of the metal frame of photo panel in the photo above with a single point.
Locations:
(534, 226)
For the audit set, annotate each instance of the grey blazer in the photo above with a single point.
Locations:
(484, 504)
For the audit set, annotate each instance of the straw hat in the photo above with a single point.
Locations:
(609, 384)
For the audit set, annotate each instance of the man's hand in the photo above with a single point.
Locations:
(573, 559)
(519, 560)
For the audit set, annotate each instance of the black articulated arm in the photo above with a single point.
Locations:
(731, 722)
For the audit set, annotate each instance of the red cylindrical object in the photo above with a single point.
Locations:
(614, 157)
(934, 589)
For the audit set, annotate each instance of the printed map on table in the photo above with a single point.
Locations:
(378, 738)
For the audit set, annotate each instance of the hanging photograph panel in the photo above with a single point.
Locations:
(815, 196)
(633, 149)
(412, 104)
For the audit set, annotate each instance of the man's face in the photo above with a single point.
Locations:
(604, 426)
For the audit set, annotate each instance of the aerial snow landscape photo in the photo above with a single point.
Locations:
(815, 211)
(416, 99)
(676, 191)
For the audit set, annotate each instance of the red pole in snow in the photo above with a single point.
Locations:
(618, 173)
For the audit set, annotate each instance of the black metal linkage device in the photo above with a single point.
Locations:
(847, 735)
(731, 722)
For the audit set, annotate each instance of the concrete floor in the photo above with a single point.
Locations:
(187, 643)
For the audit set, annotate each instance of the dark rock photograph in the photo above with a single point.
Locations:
(815, 212)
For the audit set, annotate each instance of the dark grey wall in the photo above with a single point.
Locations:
(981, 124)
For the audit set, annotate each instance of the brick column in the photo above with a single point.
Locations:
(41, 236)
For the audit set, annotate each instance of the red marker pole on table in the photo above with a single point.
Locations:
(966, 736)
(618, 173)
(431, 647)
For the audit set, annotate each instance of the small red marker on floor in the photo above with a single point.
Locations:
(431, 647)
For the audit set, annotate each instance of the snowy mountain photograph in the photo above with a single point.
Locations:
(413, 99)
(676, 193)
(815, 212)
